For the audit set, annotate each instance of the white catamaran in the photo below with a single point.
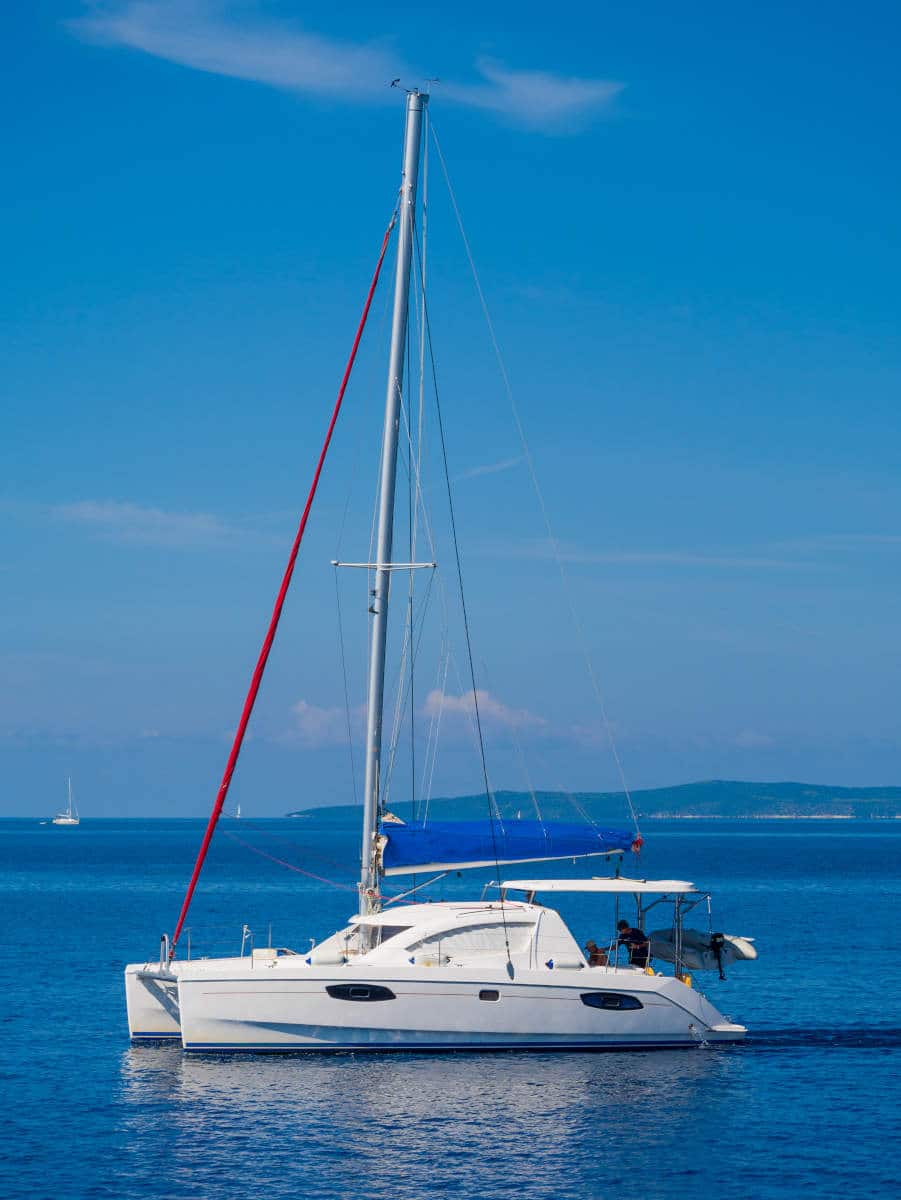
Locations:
(499, 972)
(70, 815)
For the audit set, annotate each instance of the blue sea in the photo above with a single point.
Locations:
(808, 1107)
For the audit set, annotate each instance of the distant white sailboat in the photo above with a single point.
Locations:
(70, 816)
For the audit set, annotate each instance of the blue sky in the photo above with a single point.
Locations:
(687, 228)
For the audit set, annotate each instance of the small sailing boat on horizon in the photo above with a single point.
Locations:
(70, 815)
(499, 972)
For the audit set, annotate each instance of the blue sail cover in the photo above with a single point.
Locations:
(415, 846)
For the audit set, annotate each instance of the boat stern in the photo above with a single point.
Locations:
(707, 1024)
(725, 1031)
(151, 998)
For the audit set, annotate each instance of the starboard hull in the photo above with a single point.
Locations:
(247, 1010)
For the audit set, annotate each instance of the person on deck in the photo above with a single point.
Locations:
(636, 942)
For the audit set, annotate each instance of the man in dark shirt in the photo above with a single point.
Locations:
(636, 942)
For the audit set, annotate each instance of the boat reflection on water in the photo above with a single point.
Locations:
(545, 1113)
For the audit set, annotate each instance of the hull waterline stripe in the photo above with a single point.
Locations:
(277, 610)
(432, 1047)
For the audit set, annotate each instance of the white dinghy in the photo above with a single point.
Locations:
(700, 951)
(500, 972)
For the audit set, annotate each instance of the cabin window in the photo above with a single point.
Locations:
(489, 994)
(470, 940)
(359, 991)
(612, 1001)
(389, 931)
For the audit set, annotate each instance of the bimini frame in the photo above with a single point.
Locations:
(683, 896)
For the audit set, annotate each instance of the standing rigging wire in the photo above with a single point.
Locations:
(423, 220)
(407, 648)
(411, 588)
(371, 865)
(403, 691)
(412, 461)
(424, 225)
(520, 753)
(346, 887)
(459, 564)
(578, 806)
(555, 546)
(342, 650)
(335, 883)
(350, 736)
(411, 645)
(492, 799)
(422, 512)
(428, 773)
(370, 573)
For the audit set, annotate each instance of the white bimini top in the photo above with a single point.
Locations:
(620, 884)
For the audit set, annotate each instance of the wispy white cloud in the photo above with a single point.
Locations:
(536, 98)
(240, 41)
(225, 39)
(542, 548)
(814, 552)
(752, 739)
(817, 543)
(503, 464)
(490, 709)
(120, 521)
(315, 727)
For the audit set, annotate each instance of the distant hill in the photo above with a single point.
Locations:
(715, 798)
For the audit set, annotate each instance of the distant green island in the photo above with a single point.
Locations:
(713, 799)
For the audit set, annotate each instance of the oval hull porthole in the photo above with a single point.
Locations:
(489, 994)
(361, 992)
(610, 1001)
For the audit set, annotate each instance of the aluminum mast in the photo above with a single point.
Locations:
(369, 899)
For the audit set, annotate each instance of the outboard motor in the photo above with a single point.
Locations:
(717, 941)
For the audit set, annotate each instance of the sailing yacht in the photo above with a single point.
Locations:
(70, 815)
(499, 971)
